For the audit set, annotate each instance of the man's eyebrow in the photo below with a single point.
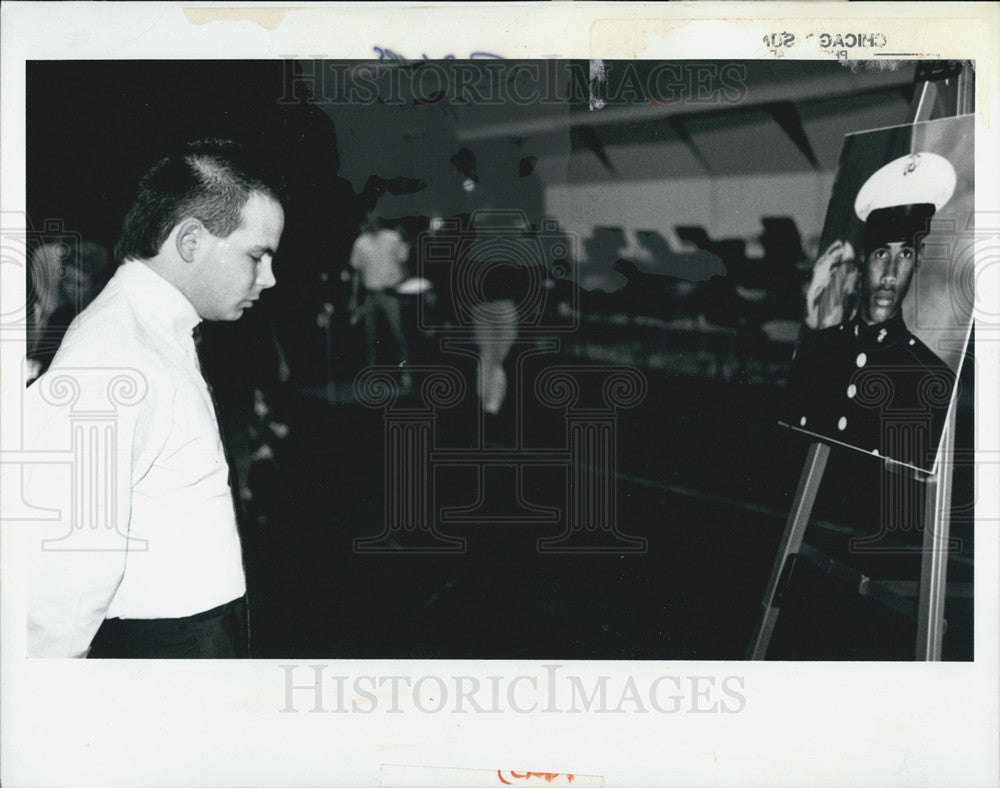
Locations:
(263, 250)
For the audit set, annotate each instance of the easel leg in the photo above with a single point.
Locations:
(791, 542)
(934, 560)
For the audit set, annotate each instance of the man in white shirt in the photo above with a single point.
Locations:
(377, 258)
(148, 563)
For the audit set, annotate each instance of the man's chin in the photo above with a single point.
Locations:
(879, 314)
(233, 315)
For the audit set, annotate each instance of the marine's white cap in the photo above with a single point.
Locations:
(919, 178)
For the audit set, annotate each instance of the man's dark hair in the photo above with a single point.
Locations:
(210, 180)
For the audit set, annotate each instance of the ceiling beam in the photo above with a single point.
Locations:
(589, 137)
(787, 116)
(676, 124)
(764, 98)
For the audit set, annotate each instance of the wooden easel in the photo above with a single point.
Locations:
(950, 99)
(929, 610)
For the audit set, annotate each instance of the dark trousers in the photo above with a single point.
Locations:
(378, 306)
(219, 633)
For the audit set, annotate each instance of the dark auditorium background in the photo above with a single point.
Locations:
(690, 201)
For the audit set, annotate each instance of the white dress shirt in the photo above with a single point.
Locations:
(146, 526)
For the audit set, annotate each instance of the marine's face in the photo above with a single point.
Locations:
(236, 269)
(886, 279)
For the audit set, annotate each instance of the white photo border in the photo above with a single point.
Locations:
(164, 723)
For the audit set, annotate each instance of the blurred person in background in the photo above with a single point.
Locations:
(67, 275)
(378, 260)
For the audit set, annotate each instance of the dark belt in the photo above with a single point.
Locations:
(216, 612)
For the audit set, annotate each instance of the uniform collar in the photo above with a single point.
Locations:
(161, 302)
(883, 334)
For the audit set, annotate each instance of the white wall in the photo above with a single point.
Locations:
(727, 207)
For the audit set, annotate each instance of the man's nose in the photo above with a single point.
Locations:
(265, 275)
(891, 271)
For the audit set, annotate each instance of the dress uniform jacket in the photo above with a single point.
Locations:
(874, 387)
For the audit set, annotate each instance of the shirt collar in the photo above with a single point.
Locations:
(880, 334)
(162, 303)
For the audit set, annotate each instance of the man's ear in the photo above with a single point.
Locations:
(190, 234)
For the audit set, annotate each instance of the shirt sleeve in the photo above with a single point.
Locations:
(356, 254)
(402, 250)
(98, 424)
